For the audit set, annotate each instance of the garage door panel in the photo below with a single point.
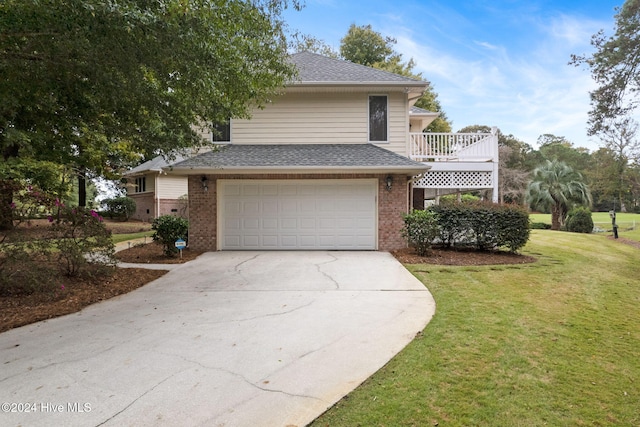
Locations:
(270, 241)
(303, 214)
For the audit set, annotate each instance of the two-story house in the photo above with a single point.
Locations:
(330, 164)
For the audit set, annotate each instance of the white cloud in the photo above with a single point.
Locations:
(524, 92)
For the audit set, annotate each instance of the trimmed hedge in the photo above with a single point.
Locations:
(484, 226)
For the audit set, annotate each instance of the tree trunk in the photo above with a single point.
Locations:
(556, 212)
(6, 212)
(82, 187)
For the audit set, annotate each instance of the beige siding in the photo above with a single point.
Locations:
(171, 187)
(398, 124)
(306, 119)
(322, 118)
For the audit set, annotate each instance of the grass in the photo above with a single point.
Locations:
(117, 238)
(550, 343)
(625, 222)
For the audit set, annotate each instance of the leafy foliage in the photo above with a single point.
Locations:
(614, 67)
(92, 84)
(168, 229)
(120, 207)
(483, 226)
(80, 239)
(420, 229)
(77, 244)
(579, 220)
(558, 187)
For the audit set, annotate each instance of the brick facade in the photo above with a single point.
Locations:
(146, 207)
(203, 207)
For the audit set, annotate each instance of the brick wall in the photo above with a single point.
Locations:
(146, 207)
(202, 207)
(202, 214)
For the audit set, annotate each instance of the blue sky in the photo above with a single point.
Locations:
(500, 63)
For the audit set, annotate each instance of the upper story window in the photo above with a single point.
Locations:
(378, 118)
(222, 132)
(141, 184)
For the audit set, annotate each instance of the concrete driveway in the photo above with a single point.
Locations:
(230, 339)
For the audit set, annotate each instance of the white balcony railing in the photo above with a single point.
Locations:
(447, 147)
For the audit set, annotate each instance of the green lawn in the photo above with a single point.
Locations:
(628, 223)
(552, 343)
(117, 238)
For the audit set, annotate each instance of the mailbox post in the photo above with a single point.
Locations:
(612, 214)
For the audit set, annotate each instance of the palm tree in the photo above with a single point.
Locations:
(558, 187)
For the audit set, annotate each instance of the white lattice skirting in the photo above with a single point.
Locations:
(455, 179)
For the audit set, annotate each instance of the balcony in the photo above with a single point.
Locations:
(453, 147)
(459, 162)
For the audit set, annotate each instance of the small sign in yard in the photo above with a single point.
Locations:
(180, 244)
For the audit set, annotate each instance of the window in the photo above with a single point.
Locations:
(221, 132)
(141, 184)
(378, 118)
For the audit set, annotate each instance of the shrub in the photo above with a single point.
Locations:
(453, 223)
(168, 229)
(81, 239)
(77, 243)
(484, 226)
(25, 267)
(514, 230)
(579, 220)
(540, 226)
(420, 229)
(120, 207)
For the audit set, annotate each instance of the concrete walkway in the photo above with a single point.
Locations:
(230, 339)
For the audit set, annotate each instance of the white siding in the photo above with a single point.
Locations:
(171, 187)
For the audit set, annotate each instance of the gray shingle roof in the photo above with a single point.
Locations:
(155, 165)
(314, 68)
(418, 110)
(344, 157)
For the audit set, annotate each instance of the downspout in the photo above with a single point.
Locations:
(157, 193)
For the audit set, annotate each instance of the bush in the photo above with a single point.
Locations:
(420, 229)
(453, 223)
(579, 220)
(25, 267)
(484, 226)
(81, 238)
(540, 226)
(77, 243)
(120, 207)
(168, 229)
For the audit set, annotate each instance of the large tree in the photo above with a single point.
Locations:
(85, 82)
(513, 169)
(622, 141)
(556, 186)
(363, 45)
(615, 67)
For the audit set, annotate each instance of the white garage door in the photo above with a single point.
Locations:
(301, 214)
